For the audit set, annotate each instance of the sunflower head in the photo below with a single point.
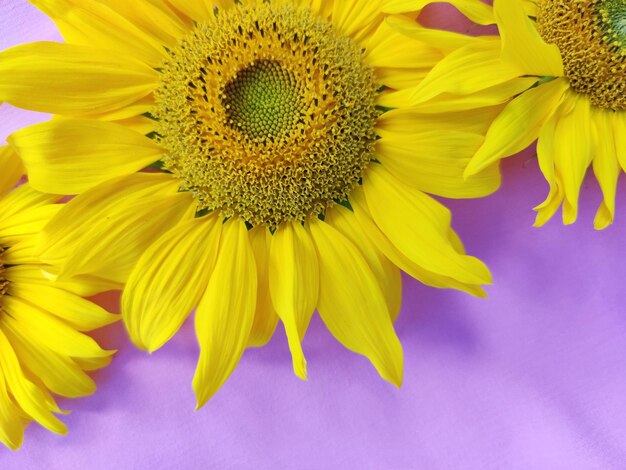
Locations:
(267, 112)
(591, 36)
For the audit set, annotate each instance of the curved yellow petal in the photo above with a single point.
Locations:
(12, 169)
(355, 17)
(169, 280)
(352, 305)
(294, 285)
(435, 161)
(605, 165)
(465, 71)
(74, 310)
(475, 10)
(71, 156)
(518, 125)
(27, 395)
(92, 23)
(122, 218)
(451, 104)
(265, 318)
(225, 314)
(619, 134)
(545, 158)
(443, 41)
(58, 373)
(24, 198)
(73, 80)
(154, 17)
(52, 332)
(382, 242)
(387, 273)
(416, 119)
(418, 226)
(389, 48)
(199, 10)
(27, 223)
(11, 427)
(522, 46)
(573, 152)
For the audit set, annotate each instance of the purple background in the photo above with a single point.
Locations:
(533, 377)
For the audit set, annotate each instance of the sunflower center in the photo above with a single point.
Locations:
(262, 101)
(591, 36)
(267, 113)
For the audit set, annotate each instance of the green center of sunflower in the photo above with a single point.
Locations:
(591, 35)
(267, 112)
(263, 100)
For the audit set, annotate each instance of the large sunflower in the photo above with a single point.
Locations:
(283, 183)
(574, 52)
(42, 349)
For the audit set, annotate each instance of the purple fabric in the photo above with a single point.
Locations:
(533, 377)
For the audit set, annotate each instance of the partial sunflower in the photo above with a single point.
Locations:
(574, 52)
(289, 175)
(42, 347)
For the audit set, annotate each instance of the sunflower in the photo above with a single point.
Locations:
(574, 54)
(252, 160)
(42, 347)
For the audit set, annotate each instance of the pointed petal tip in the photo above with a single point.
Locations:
(301, 372)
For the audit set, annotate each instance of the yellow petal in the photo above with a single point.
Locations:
(12, 169)
(24, 198)
(382, 242)
(387, 273)
(225, 314)
(496, 95)
(50, 331)
(573, 152)
(605, 165)
(464, 71)
(168, 281)
(545, 158)
(89, 23)
(522, 46)
(475, 10)
(28, 396)
(59, 373)
(443, 41)
(155, 18)
(11, 427)
(76, 311)
(73, 80)
(265, 318)
(390, 47)
(352, 18)
(619, 134)
(418, 226)
(518, 125)
(434, 162)
(294, 284)
(198, 10)
(71, 156)
(357, 315)
(26, 223)
(120, 219)
(415, 119)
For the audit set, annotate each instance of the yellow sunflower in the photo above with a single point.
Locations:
(252, 160)
(42, 347)
(574, 52)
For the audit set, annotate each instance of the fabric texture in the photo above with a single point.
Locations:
(532, 377)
